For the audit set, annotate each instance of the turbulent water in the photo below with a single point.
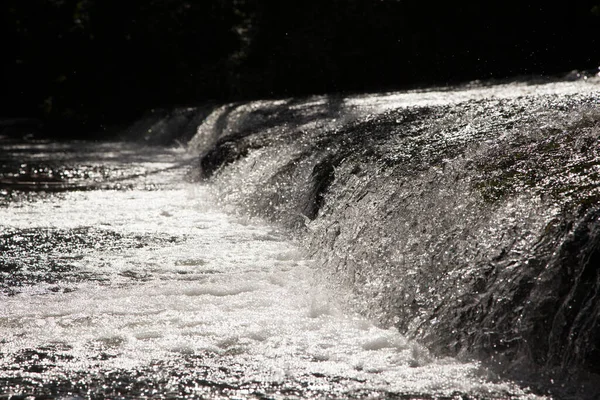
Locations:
(403, 245)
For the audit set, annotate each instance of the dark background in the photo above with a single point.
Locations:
(80, 66)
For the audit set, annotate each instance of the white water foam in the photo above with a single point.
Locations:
(234, 288)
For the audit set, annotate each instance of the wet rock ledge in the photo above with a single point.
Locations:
(472, 226)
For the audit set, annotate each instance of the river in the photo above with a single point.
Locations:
(122, 276)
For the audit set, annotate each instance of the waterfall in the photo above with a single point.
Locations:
(431, 244)
(467, 219)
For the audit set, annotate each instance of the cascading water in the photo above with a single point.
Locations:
(466, 219)
(336, 247)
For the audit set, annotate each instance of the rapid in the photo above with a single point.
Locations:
(274, 255)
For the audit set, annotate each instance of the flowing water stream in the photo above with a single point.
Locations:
(121, 276)
(145, 288)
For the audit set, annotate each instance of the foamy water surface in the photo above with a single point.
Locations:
(158, 278)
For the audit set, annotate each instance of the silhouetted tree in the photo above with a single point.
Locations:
(90, 62)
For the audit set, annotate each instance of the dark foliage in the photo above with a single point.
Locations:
(87, 63)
